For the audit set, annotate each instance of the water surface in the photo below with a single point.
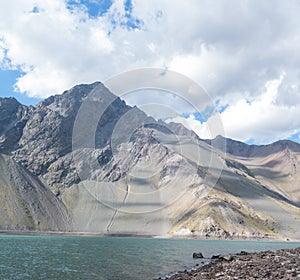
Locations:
(113, 258)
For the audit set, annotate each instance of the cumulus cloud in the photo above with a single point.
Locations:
(262, 120)
(231, 48)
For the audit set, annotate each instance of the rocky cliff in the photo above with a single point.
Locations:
(84, 161)
(13, 117)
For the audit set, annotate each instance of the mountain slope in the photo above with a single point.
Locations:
(26, 204)
(276, 166)
(13, 117)
(84, 161)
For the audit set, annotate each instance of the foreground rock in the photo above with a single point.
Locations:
(281, 264)
(198, 255)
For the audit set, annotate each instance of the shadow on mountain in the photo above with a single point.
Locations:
(238, 186)
(268, 173)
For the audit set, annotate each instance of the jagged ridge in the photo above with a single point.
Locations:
(52, 186)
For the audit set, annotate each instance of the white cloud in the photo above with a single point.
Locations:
(261, 120)
(231, 48)
(1, 54)
(202, 129)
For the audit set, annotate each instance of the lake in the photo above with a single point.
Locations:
(111, 258)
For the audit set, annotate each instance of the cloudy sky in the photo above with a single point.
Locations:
(245, 54)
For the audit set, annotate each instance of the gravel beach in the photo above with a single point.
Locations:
(280, 264)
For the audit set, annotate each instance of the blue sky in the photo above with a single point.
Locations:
(94, 8)
(245, 54)
(8, 79)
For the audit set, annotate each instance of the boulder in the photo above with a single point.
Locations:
(222, 257)
(215, 257)
(228, 258)
(198, 255)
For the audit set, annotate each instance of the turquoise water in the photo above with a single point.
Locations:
(112, 258)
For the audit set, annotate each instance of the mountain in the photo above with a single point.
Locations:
(84, 161)
(13, 117)
(26, 204)
(276, 165)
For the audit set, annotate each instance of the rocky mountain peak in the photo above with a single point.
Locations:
(134, 164)
(47, 134)
(70, 100)
(8, 102)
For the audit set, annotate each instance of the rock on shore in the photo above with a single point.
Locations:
(280, 264)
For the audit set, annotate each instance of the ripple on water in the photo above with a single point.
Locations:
(113, 258)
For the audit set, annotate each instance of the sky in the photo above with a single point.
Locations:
(245, 54)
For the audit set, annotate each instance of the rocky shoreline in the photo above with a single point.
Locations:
(279, 264)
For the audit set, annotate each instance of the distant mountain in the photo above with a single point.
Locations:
(240, 149)
(277, 165)
(84, 161)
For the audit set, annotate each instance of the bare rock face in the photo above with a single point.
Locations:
(45, 145)
(13, 117)
(47, 135)
(85, 161)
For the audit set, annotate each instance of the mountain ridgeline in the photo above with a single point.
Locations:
(85, 162)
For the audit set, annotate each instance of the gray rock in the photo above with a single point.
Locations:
(124, 148)
(198, 255)
(13, 117)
